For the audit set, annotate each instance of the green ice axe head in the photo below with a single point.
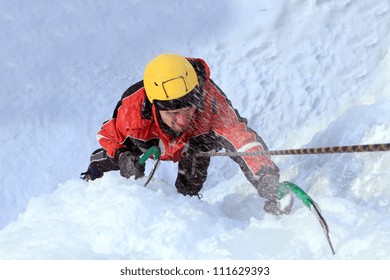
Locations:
(153, 151)
(286, 186)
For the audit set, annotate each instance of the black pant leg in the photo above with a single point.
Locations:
(100, 162)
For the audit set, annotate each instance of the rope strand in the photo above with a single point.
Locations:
(305, 151)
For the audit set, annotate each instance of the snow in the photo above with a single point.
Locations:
(304, 73)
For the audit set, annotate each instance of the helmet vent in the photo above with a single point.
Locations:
(156, 84)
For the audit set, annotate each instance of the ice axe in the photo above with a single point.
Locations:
(284, 187)
(156, 153)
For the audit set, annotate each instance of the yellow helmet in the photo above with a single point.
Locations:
(169, 77)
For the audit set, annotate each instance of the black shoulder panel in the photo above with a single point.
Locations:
(200, 71)
(146, 106)
(133, 89)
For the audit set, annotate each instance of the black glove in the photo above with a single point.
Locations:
(279, 207)
(268, 187)
(92, 173)
(129, 165)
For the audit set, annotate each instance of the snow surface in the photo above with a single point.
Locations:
(305, 73)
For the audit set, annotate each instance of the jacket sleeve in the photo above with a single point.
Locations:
(110, 138)
(237, 136)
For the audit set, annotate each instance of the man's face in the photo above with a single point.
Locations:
(178, 120)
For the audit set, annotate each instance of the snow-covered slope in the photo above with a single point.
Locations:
(304, 73)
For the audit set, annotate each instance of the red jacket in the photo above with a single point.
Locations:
(135, 121)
